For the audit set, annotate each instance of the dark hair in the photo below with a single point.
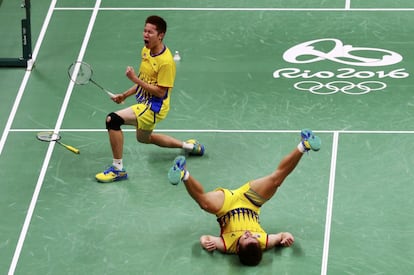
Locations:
(159, 22)
(250, 254)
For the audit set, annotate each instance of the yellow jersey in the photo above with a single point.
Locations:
(238, 215)
(157, 70)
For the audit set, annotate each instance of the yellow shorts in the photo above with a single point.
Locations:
(146, 118)
(237, 199)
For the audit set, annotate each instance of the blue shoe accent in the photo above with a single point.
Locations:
(177, 171)
(111, 174)
(310, 141)
(198, 149)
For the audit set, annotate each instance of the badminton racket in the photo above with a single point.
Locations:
(81, 73)
(50, 136)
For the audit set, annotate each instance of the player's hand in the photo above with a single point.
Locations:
(118, 98)
(207, 243)
(287, 239)
(130, 73)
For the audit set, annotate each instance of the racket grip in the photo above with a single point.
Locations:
(112, 95)
(71, 148)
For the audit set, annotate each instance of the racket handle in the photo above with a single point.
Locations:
(112, 95)
(109, 93)
(70, 148)
(73, 149)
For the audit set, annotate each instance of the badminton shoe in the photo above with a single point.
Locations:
(310, 141)
(198, 149)
(111, 174)
(177, 171)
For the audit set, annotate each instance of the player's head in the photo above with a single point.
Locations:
(158, 22)
(154, 31)
(249, 250)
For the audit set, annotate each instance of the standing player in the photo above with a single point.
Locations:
(237, 211)
(152, 89)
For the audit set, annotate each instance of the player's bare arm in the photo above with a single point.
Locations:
(282, 238)
(155, 90)
(119, 98)
(211, 243)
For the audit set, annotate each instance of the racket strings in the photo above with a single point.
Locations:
(48, 136)
(83, 75)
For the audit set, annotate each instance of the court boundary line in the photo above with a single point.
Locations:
(346, 8)
(347, 4)
(227, 131)
(26, 77)
(60, 118)
(10, 120)
(43, 171)
(329, 204)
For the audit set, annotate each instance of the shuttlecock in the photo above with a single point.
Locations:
(177, 56)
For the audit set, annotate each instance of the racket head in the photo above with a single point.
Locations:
(48, 136)
(80, 72)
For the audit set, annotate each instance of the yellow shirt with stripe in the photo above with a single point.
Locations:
(157, 70)
(238, 215)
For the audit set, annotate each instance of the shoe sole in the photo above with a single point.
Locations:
(113, 180)
(315, 143)
(174, 174)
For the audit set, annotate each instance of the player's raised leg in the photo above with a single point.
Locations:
(267, 186)
(208, 201)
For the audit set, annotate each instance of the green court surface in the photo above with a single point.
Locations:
(252, 75)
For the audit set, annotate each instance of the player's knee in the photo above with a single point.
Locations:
(114, 122)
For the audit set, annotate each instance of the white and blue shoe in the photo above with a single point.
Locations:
(310, 141)
(177, 171)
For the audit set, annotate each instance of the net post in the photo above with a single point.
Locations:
(26, 60)
(27, 33)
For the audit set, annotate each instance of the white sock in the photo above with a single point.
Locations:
(301, 148)
(117, 163)
(188, 146)
(186, 175)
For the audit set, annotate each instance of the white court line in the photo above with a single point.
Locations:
(42, 174)
(10, 121)
(347, 4)
(328, 220)
(227, 131)
(70, 88)
(236, 9)
(26, 77)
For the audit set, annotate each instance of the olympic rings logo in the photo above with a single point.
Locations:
(334, 50)
(307, 53)
(346, 87)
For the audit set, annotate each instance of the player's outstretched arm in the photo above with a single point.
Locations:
(211, 243)
(282, 238)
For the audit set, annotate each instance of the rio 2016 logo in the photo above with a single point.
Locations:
(306, 53)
